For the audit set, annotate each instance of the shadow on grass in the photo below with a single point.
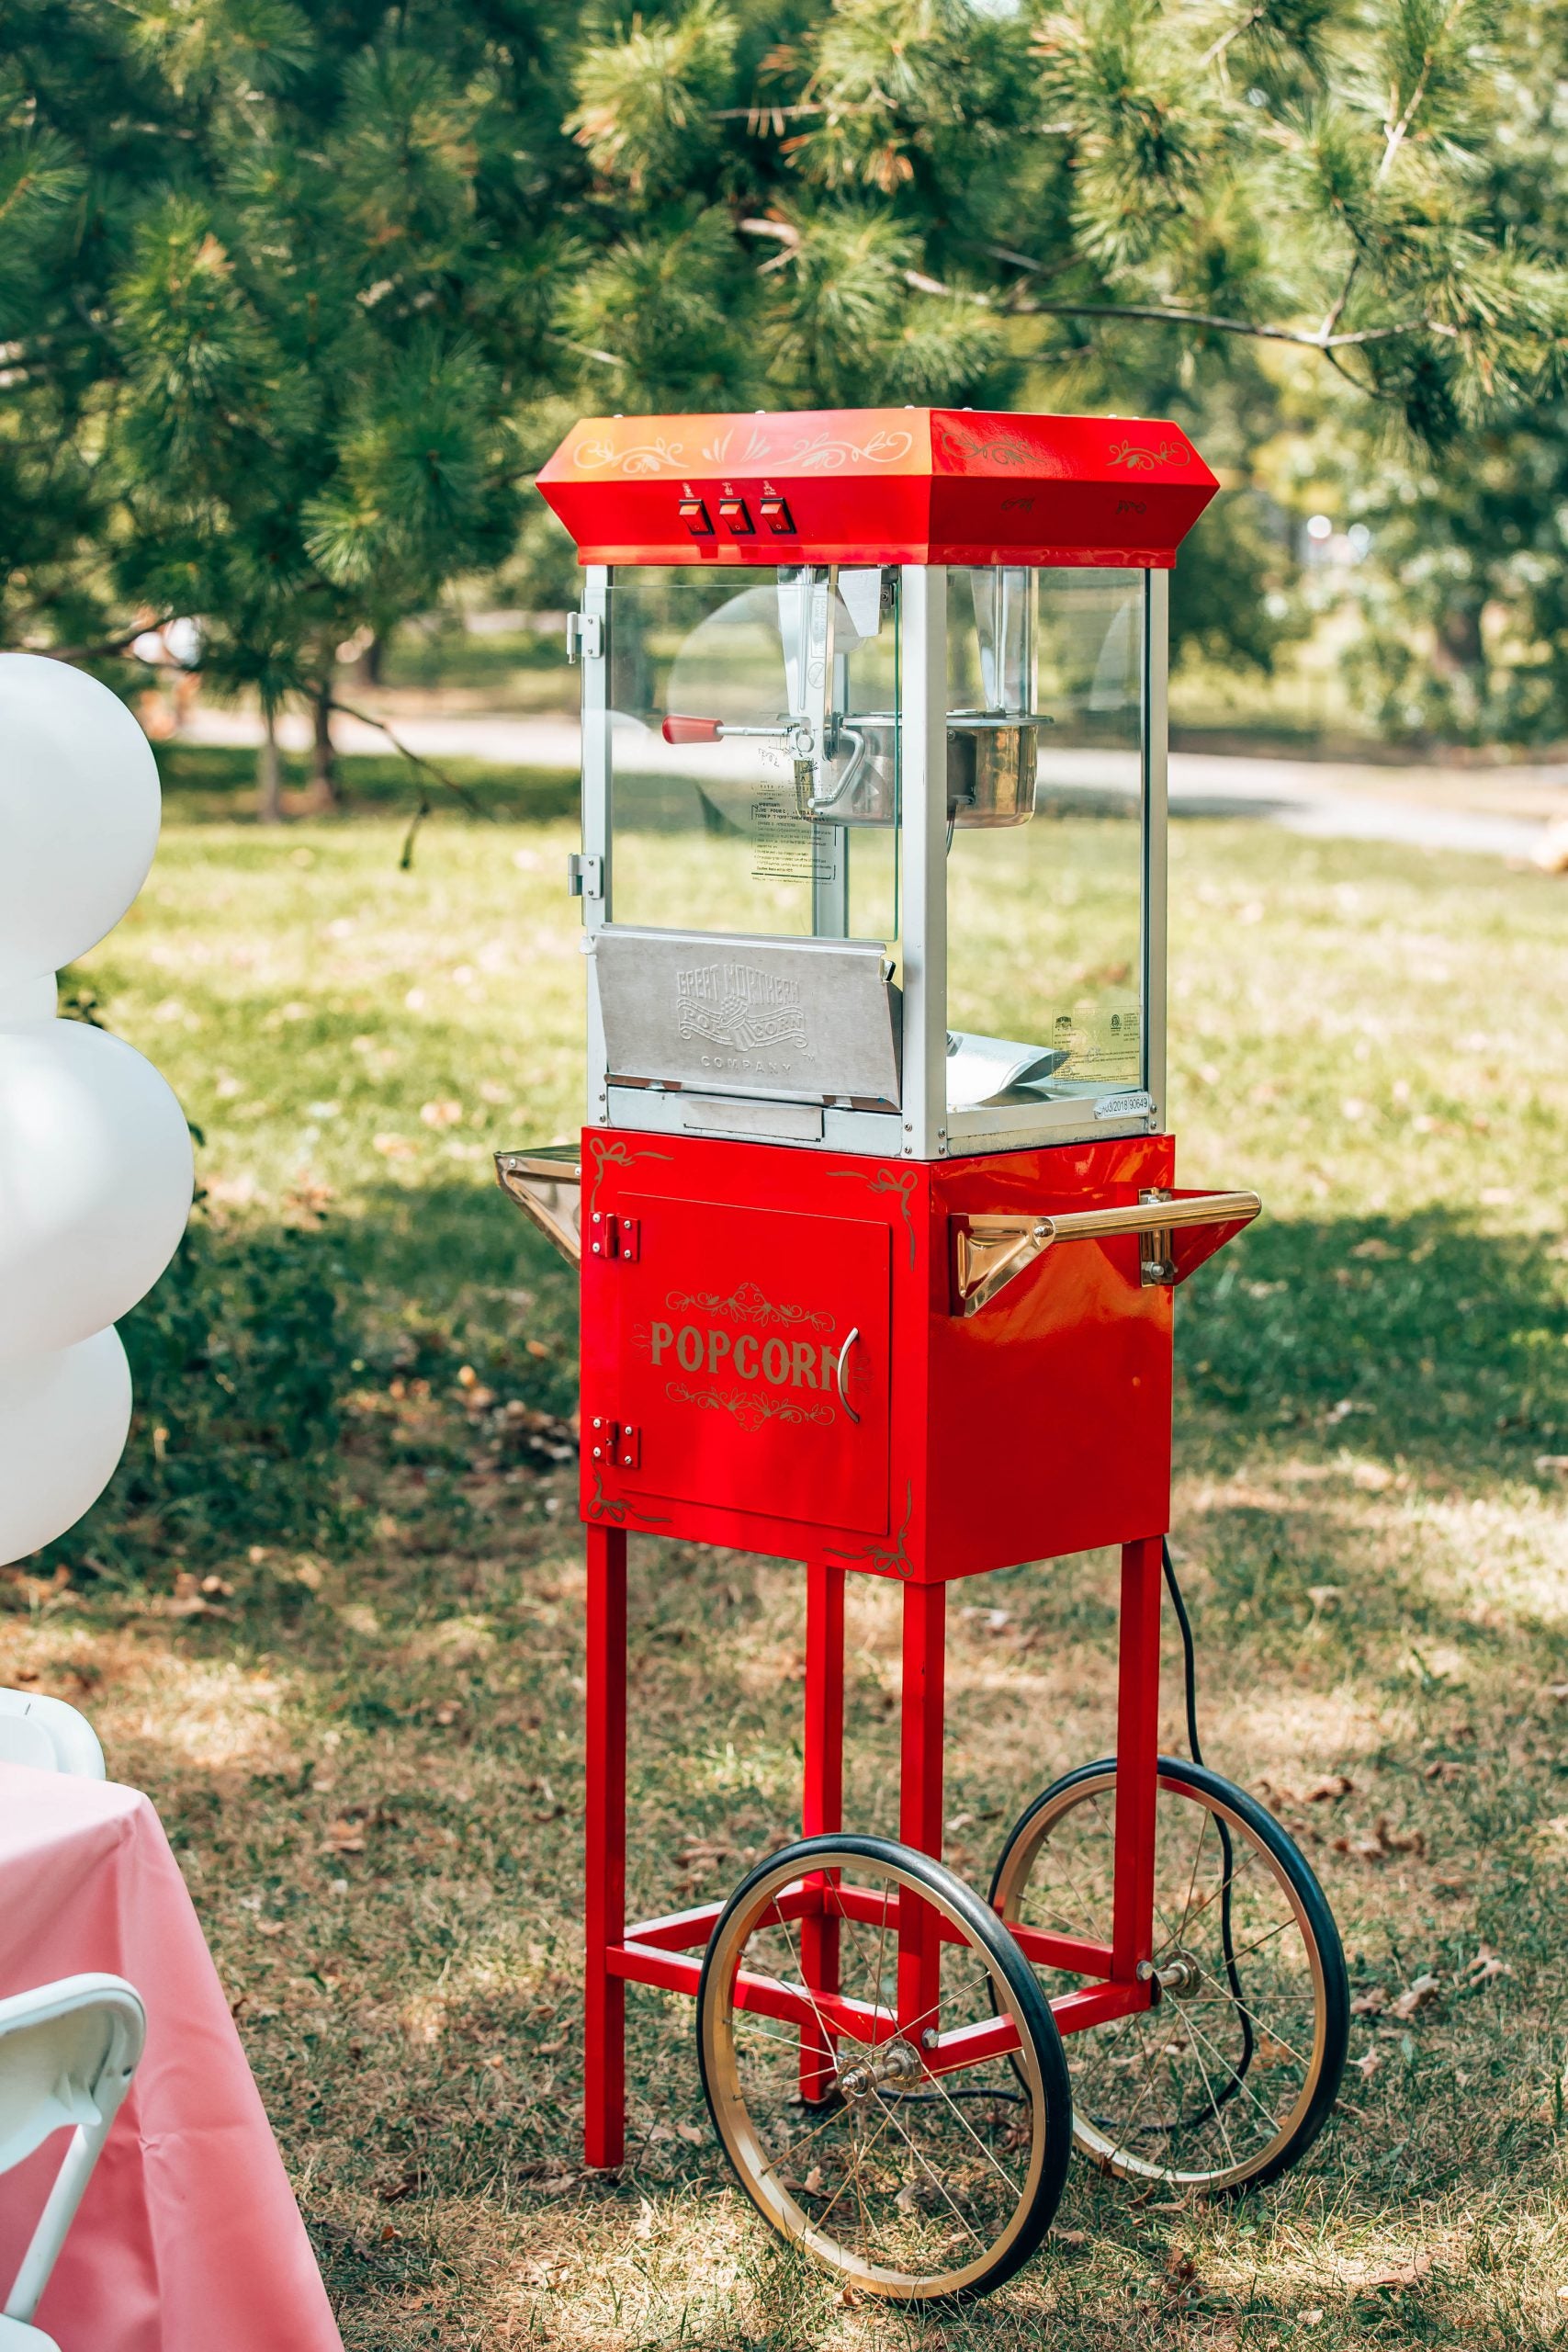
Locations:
(1412, 1340)
(264, 1365)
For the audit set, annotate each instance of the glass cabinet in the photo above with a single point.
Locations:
(874, 848)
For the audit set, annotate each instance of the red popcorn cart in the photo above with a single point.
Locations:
(878, 1226)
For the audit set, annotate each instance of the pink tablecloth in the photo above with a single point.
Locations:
(188, 2239)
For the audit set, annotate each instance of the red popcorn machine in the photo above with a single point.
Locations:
(876, 1184)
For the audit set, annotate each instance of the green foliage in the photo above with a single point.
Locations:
(293, 299)
(1232, 594)
(646, 101)
(241, 1359)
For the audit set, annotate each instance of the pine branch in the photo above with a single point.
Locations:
(1217, 49)
(1021, 261)
(1337, 311)
(1324, 340)
(1316, 342)
(422, 766)
(583, 351)
(113, 647)
(1394, 133)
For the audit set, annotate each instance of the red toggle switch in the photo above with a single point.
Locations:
(776, 514)
(734, 511)
(694, 515)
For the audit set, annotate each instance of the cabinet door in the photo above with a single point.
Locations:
(732, 1324)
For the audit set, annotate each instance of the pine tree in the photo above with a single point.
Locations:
(293, 299)
(307, 336)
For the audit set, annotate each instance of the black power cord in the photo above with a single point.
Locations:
(1227, 1852)
(1189, 1656)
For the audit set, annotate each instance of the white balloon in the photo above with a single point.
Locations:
(63, 1421)
(30, 1001)
(95, 1176)
(78, 813)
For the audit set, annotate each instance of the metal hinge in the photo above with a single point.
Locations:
(585, 875)
(1156, 1257)
(584, 637)
(615, 1236)
(618, 1443)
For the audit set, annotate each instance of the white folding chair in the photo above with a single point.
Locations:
(67, 2054)
(48, 1735)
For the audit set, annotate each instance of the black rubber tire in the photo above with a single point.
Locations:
(811, 1853)
(1295, 1867)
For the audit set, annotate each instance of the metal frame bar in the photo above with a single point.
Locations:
(596, 788)
(822, 1800)
(1156, 805)
(638, 1961)
(605, 1910)
(818, 1897)
(1138, 1762)
(919, 1794)
(922, 736)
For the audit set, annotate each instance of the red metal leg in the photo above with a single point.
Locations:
(822, 1798)
(603, 2045)
(920, 1803)
(1138, 1760)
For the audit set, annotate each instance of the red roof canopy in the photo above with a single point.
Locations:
(877, 485)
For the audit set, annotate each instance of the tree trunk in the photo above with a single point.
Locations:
(269, 775)
(368, 668)
(325, 792)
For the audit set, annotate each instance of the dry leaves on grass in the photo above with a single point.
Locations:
(1486, 1965)
(700, 1860)
(1415, 1999)
(1396, 2275)
(1327, 1790)
(1376, 2002)
(1382, 1841)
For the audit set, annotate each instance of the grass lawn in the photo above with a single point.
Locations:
(329, 1612)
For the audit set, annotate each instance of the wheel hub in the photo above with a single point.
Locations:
(892, 2065)
(1179, 1974)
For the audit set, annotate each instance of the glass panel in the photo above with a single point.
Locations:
(753, 751)
(1045, 853)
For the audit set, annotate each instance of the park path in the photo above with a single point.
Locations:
(1500, 812)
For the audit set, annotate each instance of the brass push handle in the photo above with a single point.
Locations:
(989, 1250)
(1150, 1217)
(843, 1362)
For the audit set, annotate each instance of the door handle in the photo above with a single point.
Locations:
(844, 1361)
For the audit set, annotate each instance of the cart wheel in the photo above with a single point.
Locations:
(909, 2184)
(1229, 2077)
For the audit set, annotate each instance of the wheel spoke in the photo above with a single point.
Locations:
(921, 2158)
(1243, 2086)
(1192, 1881)
(803, 1987)
(859, 2151)
(959, 2115)
(1214, 2107)
(1245, 1951)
